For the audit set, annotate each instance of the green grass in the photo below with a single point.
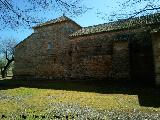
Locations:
(41, 97)
(37, 97)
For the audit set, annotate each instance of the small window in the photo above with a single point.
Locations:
(50, 46)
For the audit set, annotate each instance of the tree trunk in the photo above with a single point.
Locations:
(1, 71)
(4, 70)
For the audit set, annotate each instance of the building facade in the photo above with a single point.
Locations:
(126, 50)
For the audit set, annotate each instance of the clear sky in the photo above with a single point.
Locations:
(89, 18)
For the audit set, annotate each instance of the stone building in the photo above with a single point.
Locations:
(126, 50)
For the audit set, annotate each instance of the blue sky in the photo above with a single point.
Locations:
(89, 18)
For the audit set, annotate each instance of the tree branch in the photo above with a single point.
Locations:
(7, 56)
(143, 10)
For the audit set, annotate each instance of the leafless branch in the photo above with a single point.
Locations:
(129, 9)
(143, 10)
(13, 15)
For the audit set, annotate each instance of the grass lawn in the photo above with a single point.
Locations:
(45, 99)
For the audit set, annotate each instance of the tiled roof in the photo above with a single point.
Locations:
(119, 25)
(57, 20)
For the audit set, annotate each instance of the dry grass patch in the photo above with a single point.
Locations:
(37, 98)
(67, 98)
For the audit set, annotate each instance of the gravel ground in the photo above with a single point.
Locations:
(18, 104)
(64, 111)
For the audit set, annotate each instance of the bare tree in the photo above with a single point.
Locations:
(132, 8)
(15, 13)
(7, 50)
(2, 63)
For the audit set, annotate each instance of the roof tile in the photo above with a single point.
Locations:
(57, 20)
(119, 25)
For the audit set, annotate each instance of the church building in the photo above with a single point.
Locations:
(60, 49)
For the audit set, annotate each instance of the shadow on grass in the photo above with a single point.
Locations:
(148, 95)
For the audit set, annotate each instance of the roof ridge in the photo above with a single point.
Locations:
(53, 21)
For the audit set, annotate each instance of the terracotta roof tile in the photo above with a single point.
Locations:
(119, 25)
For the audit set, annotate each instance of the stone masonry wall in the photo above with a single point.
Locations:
(120, 55)
(156, 51)
(121, 69)
(141, 57)
(125, 54)
(98, 56)
(91, 57)
(33, 58)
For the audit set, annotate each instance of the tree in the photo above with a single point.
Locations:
(133, 8)
(7, 50)
(2, 63)
(15, 13)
